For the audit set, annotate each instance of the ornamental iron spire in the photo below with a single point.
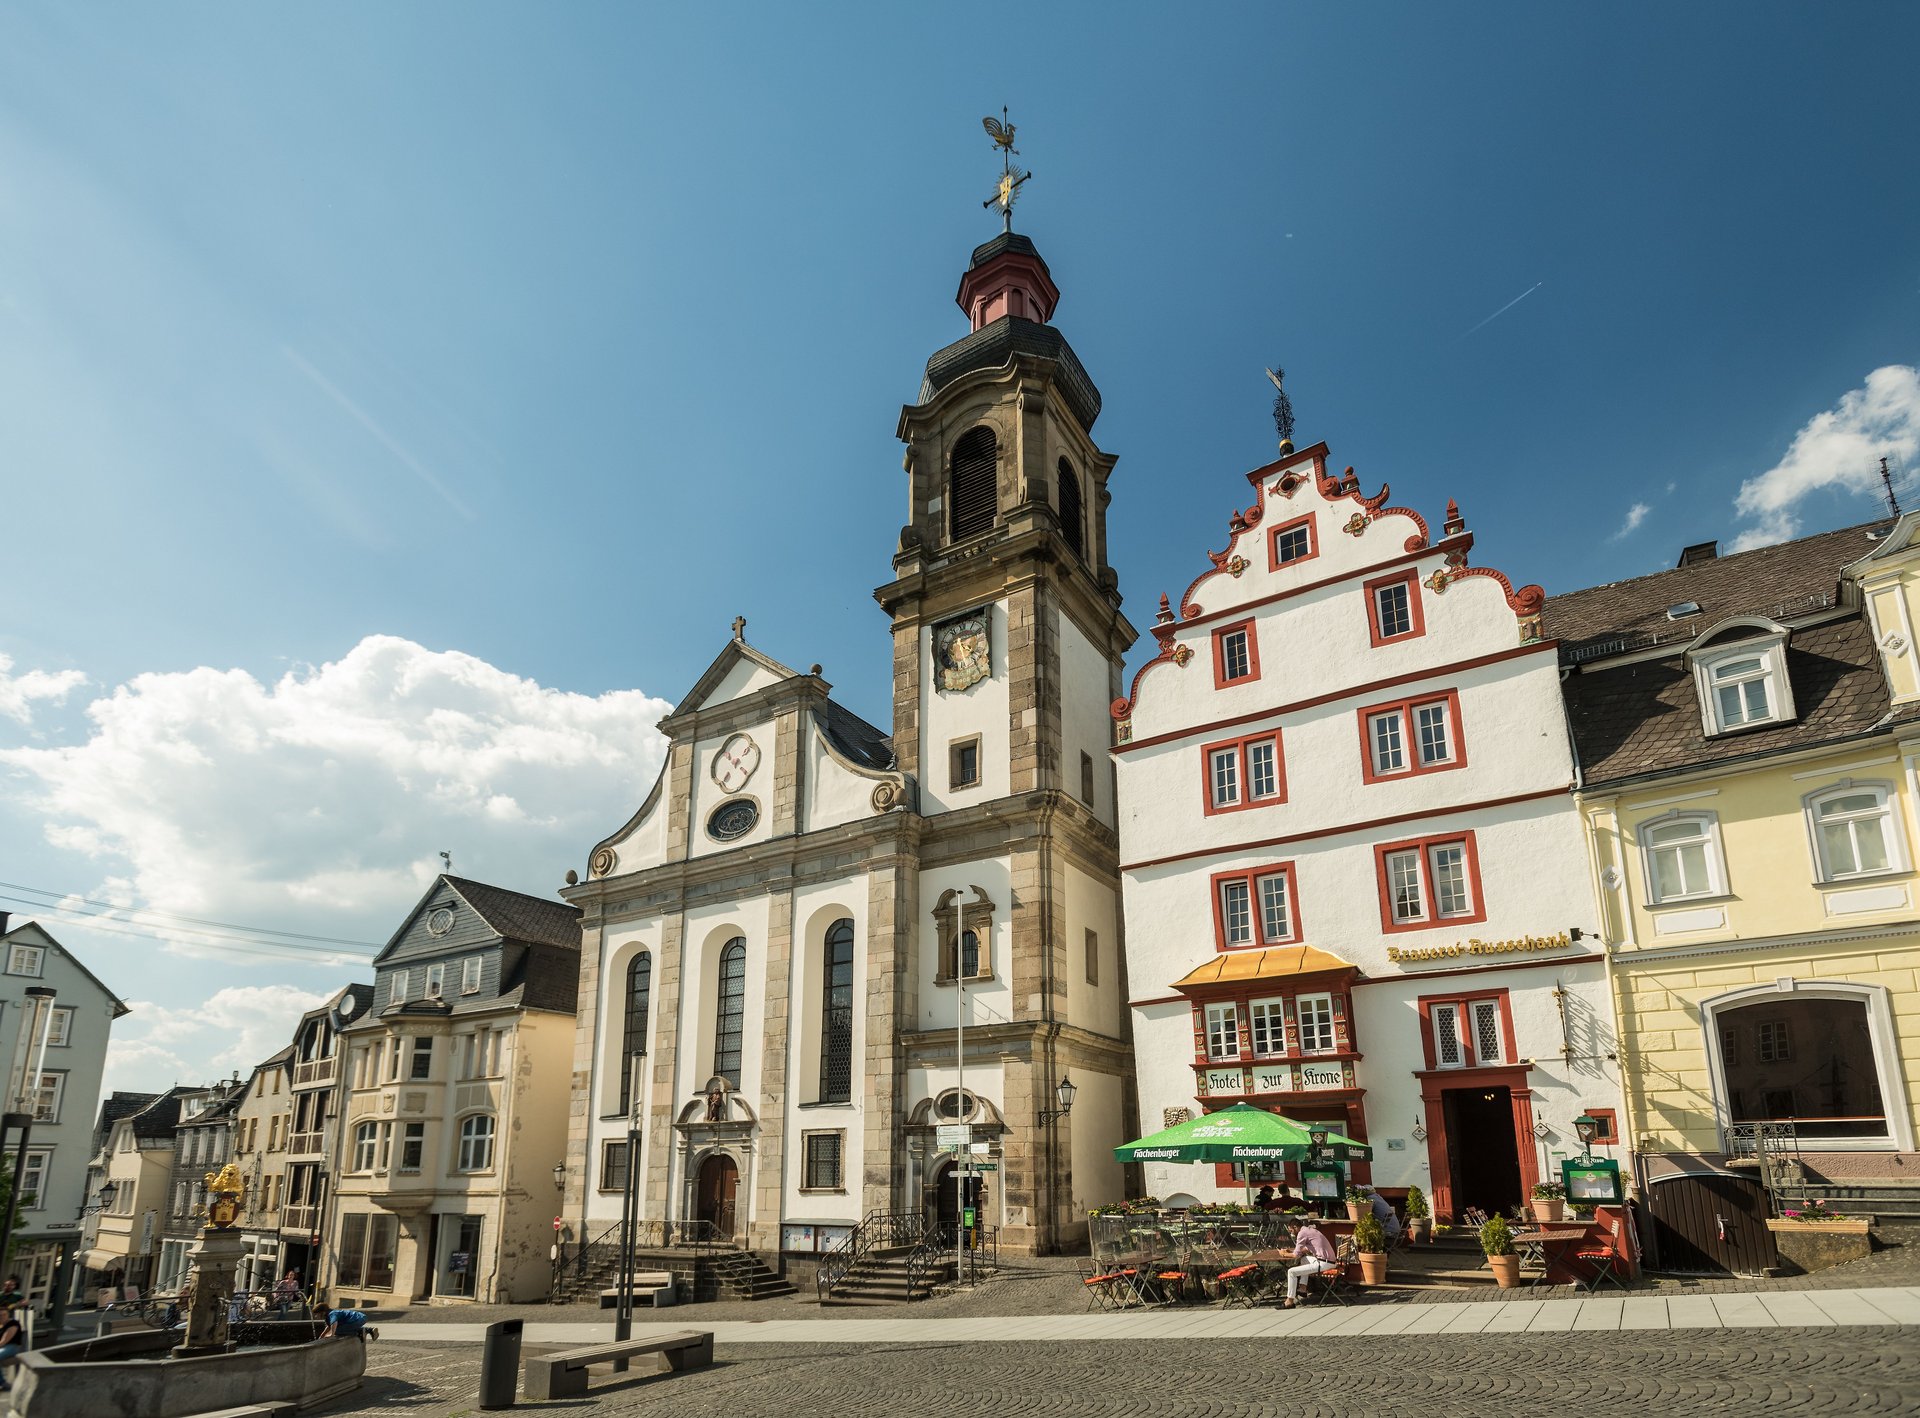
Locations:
(1011, 177)
(1282, 406)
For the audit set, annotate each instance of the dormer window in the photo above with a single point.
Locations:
(1740, 674)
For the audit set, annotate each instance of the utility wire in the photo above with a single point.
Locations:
(255, 931)
(239, 945)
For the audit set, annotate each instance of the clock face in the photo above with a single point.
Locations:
(733, 765)
(962, 653)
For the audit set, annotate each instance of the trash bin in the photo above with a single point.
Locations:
(500, 1364)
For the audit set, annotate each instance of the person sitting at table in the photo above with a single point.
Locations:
(1263, 1200)
(1388, 1218)
(1312, 1253)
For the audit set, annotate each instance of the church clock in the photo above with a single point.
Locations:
(962, 652)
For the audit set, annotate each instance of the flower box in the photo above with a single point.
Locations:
(1819, 1245)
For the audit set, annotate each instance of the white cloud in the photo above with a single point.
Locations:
(1841, 449)
(18, 692)
(156, 1047)
(319, 803)
(1636, 514)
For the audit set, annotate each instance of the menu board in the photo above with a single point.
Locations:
(1592, 1182)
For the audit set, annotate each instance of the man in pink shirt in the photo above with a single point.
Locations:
(1313, 1252)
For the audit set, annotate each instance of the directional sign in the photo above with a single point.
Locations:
(953, 1137)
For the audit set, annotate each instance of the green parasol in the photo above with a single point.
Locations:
(1241, 1133)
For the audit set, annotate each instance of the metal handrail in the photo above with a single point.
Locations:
(877, 1230)
(696, 1235)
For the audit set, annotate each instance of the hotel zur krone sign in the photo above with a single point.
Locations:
(1524, 945)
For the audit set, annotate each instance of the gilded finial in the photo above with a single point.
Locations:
(1011, 177)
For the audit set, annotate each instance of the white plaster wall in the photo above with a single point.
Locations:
(990, 1000)
(1092, 905)
(980, 709)
(707, 795)
(1086, 721)
(605, 1121)
(1093, 1129)
(646, 845)
(1510, 727)
(815, 909)
(835, 793)
(742, 679)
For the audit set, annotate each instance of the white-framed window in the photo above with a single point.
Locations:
(1223, 1033)
(1236, 911)
(1251, 904)
(1387, 736)
(1744, 684)
(47, 1097)
(1315, 1016)
(1854, 831)
(33, 1179)
(1276, 906)
(1428, 882)
(1448, 1050)
(397, 986)
(413, 1146)
(1269, 1021)
(26, 960)
(1244, 773)
(436, 979)
(1487, 1034)
(1263, 769)
(366, 1146)
(1225, 772)
(470, 975)
(1236, 654)
(476, 1143)
(60, 1030)
(1682, 854)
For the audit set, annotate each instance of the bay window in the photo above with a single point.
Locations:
(1223, 1033)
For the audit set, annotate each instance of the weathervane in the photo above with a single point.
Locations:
(1011, 177)
(1282, 405)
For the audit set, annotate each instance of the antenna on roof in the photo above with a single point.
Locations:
(1886, 481)
(446, 862)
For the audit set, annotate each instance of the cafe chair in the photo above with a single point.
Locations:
(1241, 1285)
(1332, 1284)
(1100, 1287)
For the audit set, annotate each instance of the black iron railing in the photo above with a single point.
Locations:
(603, 1252)
(878, 1230)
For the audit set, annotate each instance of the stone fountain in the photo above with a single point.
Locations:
(145, 1374)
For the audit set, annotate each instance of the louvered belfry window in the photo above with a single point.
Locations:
(1072, 511)
(973, 485)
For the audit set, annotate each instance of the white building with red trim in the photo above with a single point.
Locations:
(1355, 885)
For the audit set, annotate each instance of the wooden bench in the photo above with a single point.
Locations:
(650, 1288)
(275, 1408)
(564, 1374)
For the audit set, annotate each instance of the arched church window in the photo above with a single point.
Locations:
(634, 1037)
(1072, 510)
(836, 1025)
(731, 1018)
(973, 485)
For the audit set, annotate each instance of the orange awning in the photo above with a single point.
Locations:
(1274, 963)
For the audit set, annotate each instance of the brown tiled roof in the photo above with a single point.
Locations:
(1784, 581)
(516, 916)
(1643, 717)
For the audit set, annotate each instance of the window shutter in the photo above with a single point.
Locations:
(972, 487)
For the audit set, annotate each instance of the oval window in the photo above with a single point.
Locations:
(733, 819)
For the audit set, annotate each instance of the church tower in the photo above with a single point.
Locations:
(1008, 643)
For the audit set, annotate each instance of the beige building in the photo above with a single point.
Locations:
(259, 1151)
(134, 1166)
(455, 1105)
(309, 1132)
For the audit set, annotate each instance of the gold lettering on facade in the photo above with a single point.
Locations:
(1524, 945)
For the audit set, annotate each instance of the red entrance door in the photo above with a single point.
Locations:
(714, 1192)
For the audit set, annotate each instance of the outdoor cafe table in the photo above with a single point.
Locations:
(1549, 1246)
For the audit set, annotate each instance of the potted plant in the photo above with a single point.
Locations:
(1419, 1215)
(1496, 1239)
(1359, 1202)
(1549, 1201)
(1370, 1240)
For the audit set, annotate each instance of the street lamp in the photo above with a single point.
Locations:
(1317, 1136)
(1064, 1092)
(1587, 1126)
(559, 1176)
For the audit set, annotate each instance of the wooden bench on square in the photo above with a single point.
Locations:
(564, 1375)
(651, 1289)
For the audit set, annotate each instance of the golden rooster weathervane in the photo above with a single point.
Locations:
(1011, 177)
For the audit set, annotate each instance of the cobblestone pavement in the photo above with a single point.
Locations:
(1421, 1376)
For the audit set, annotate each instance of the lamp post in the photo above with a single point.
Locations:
(26, 1102)
(1588, 1127)
(1064, 1092)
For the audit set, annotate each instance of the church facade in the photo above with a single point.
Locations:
(816, 944)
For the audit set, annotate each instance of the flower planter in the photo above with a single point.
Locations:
(1419, 1230)
(1506, 1270)
(1356, 1209)
(1373, 1267)
(1819, 1245)
(1548, 1208)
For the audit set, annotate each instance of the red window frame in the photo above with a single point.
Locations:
(1451, 698)
(1610, 1134)
(1417, 617)
(1239, 746)
(1252, 876)
(1469, 1045)
(1220, 680)
(1274, 563)
(1424, 846)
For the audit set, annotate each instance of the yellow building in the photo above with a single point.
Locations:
(1747, 730)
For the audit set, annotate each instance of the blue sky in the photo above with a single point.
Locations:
(556, 336)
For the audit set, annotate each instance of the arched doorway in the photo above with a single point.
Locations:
(944, 1196)
(713, 1193)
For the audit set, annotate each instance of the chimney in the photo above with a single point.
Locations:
(5, 916)
(1699, 552)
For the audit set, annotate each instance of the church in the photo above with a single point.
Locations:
(819, 950)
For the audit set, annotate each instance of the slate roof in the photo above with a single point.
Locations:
(1782, 582)
(994, 346)
(118, 1105)
(854, 737)
(119, 1006)
(1635, 718)
(547, 978)
(516, 916)
(161, 1117)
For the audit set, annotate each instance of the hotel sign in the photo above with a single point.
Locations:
(1273, 1080)
(1315, 1077)
(1523, 945)
(1216, 1081)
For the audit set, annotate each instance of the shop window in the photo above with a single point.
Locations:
(1244, 772)
(1292, 542)
(1236, 655)
(1393, 608)
(1682, 855)
(822, 1161)
(1414, 736)
(1854, 833)
(1428, 882)
(1255, 908)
